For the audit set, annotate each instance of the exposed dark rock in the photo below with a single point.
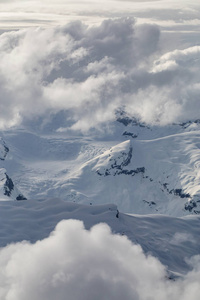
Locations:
(8, 186)
(117, 214)
(100, 174)
(140, 170)
(190, 205)
(179, 192)
(127, 161)
(107, 173)
(133, 172)
(126, 120)
(150, 203)
(117, 166)
(176, 192)
(165, 185)
(187, 124)
(21, 197)
(126, 133)
(5, 150)
(120, 171)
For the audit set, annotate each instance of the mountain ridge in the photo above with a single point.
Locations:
(157, 171)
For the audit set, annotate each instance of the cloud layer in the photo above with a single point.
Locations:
(182, 15)
(91, 71)
(79, 264)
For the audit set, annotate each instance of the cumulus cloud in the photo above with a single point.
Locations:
(91, 71)
(79, 264)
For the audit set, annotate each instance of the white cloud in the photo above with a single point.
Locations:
(19, 14)
(91, 71)
(79, 264)
(183, 58)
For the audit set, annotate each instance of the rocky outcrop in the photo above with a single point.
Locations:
(130, 134)
(122, 117)
(8, 189)
(3, 149)
(8, 186)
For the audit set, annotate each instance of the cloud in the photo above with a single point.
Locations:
(179, 238)
(89, 72)
(179, 58)
(79, 264)
(179, 16)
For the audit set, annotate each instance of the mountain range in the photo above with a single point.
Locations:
(139, 168)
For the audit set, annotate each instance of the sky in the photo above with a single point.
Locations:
(17, 14)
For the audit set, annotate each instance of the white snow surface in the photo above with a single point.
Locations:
(140, 169)
(58, 242)
(99, 263)
(172, 240)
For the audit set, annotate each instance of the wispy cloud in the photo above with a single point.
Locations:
(93, 11)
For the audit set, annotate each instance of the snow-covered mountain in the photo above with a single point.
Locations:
(139, 168)
(157, 175)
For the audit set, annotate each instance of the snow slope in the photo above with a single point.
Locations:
(172, 240)
(139, 168)
(150, 173)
